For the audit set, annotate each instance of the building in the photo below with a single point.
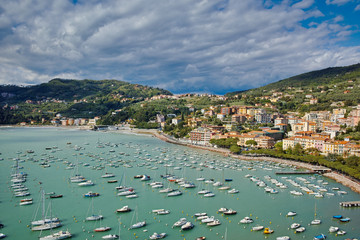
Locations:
(200, 136)
(238, 118)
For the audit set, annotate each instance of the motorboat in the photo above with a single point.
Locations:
(337, 216)
(56, 196)
(123, 209)
(214, 223)
(157, 235)
(175, 193)
(341, 232)
(300, 230)
(145, 178)
(333, 229)
(208, 219)
(57, 236)
(283, 238)
(180, 222)
(315, 222)
(2, 235)
(91, 194)
(223, 209)
(291, 214)
(345, 219)
(132, 196)
(268, 231)
(102, 229)
(163, 212)
(319, 237)
(295, 225)
(246, 220)
(257, 228)
(200, 214)
(230, 212)
(233, 191)
(187, 226)
(166, 190)
(112, 181)
(210, 194)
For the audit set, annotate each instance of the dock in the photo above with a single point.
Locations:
(295, 172)
(350, 204)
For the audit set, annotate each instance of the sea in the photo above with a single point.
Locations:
(51, 156)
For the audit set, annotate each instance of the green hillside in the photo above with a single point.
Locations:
(327, 86)
(78, 89)
(71, 98)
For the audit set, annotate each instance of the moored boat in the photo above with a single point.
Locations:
(320, 237)
(180, 222)
(187, 226)
(123, 209)
(138, 225)
(91, 194)
(102, 229)
(46, 226)
(57, 236)
(268, 231)
(157, 235)
(257, 228)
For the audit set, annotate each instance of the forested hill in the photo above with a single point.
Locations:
(338, 79)
(77, 89)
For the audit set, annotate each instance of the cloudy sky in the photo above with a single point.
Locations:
(213, 46)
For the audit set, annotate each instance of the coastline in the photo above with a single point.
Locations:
(340, 178)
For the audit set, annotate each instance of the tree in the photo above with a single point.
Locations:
(235, 149)
(298, 149)
(251, 143)
(279, 146)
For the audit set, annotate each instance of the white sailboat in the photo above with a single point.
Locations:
(57, 236)
(315, 221)
(45, 223)
(93, 217)
(137, 224)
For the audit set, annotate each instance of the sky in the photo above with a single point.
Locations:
(198, 46)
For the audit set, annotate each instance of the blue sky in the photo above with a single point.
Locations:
(182, 46)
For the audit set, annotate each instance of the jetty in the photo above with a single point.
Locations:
(350, 204)
(295, 172)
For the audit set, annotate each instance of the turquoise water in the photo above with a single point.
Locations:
(148, 155)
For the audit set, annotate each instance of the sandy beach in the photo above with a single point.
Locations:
(344, 180)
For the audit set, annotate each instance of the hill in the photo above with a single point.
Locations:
(70, 90)
(71, 98)
(326, 86)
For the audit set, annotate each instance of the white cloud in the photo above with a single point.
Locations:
(304, 4)
(180, 45)
(337, 2)
(357, 8)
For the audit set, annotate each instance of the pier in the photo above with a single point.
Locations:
(350, 204)
(295, 172)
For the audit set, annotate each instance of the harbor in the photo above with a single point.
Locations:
(128, 179)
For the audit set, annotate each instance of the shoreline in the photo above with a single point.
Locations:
(340, 178)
